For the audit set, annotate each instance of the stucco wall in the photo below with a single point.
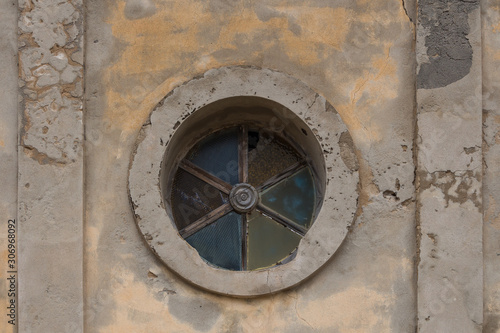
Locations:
(358, 55)
(417, 89)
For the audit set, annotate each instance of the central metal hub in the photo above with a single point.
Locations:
(243, 197)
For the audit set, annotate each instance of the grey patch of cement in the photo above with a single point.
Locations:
(448, 48)
(266, 13)
(137, 9)
(199, 313)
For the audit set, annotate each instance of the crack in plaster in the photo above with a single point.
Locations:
(298, 314)
(406, 11)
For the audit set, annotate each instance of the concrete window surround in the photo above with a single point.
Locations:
(195, 107)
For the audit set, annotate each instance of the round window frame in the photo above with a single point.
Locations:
(160, 138)
(250, 113)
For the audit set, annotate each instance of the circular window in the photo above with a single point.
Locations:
(244, 181)
(244, 197)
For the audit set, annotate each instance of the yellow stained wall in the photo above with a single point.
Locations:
(357, 54)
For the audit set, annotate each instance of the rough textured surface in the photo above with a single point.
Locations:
(357, 55)
(360, 57)
(50, 181)
(449, 170)
(51, 68)
(8, 143)
(491, 148)
(445, 52)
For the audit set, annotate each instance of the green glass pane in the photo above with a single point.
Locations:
(268, 241)
(220, 242)
(218, 155)
(293, 197)
(268, 156)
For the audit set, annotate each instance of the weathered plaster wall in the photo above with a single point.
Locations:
(83, 263)
(50, 158)
(8, 145)
(449, 170)
(357, 54)
(491, 149)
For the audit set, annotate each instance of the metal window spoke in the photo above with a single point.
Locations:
(243, 178)
(243, 154)
(282, 220)
(283, 175)
(205, 176)
(206, 220)
(244, 241)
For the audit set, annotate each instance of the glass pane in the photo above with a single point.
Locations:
(192, 198)
(268, 241)
(220, 242)
(218, 154)
(268, 156)
(294, 197)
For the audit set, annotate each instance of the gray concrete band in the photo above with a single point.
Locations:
(50, 158)
(449, 169)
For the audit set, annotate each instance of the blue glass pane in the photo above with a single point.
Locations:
(218, 155)
(294, 197)
(268, 241)
(220, 242)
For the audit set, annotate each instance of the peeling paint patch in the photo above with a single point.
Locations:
(458, 187)
(51, 81)
(449, 50)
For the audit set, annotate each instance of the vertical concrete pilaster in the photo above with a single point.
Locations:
(491, 151)
(50, 185)
(449, 169)
(8, 164)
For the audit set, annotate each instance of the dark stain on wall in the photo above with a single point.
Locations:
(137, 9)
(448, 48)
(492, 324)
